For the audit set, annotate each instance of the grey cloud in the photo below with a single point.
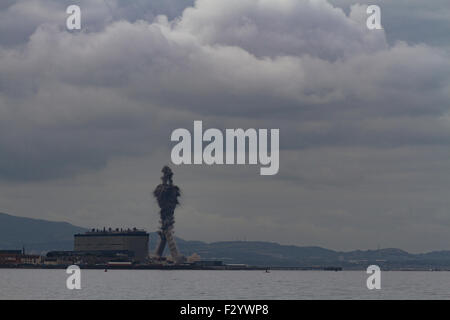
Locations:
(414, 21)
(209, 63)
(293, 28)
(19, 19)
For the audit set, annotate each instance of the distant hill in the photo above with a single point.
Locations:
(35, 234)
(274, 254)
(259, 253)
(41, 236)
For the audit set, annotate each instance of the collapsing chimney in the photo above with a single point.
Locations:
(167, 195)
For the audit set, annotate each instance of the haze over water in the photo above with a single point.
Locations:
(193, 284)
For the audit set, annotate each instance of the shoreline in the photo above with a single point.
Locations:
(171, 267)
(217, 268)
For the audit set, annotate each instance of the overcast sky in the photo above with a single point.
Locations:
(86, 117)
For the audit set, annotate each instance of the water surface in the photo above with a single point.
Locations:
(202, 284)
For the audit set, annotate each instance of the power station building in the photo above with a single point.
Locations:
(131, 240)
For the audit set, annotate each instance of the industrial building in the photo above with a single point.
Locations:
(131, 240)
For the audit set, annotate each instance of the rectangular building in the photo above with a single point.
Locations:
(132, 240)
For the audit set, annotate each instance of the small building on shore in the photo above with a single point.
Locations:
(18, 257)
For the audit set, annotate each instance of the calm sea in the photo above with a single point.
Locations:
(191, 284)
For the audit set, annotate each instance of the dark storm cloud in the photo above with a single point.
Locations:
(98, 92)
